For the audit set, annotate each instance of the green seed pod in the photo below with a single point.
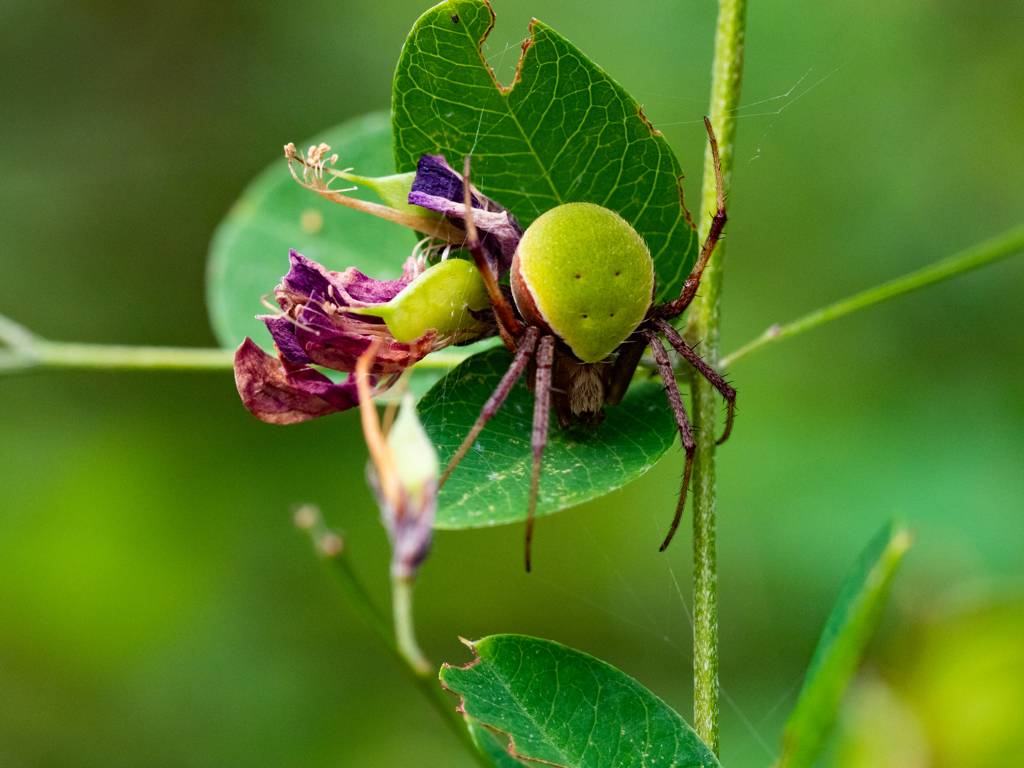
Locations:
(583, 273)
(440, 298)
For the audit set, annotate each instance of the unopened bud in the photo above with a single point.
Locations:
(441, 299)
(415, 456)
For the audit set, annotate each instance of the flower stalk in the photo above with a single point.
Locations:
(331, 548)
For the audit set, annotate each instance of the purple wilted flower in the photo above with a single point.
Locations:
(441, 189)
(327, 318)
(313, 328)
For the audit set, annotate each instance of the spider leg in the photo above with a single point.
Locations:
(541, 410)
(502, 309)
(668, 375)
(728, 393)
(526, 346)
(675, 308)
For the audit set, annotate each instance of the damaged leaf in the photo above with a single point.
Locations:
(564, 132)
(566, 708)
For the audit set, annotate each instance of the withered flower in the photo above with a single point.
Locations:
(331, 318)
(314, 328)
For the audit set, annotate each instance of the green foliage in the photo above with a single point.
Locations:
(567, 708)
(491, 485)
(249, 252)
(848, 630)
(565, 132)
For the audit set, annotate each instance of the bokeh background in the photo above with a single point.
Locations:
(157, 607)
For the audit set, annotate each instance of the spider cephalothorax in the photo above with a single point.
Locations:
(583, 313)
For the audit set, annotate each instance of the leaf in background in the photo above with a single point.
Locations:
(491, 485)
(570, 709)
(249, 252)
(849, 628)
(565, 132)
(489, 744)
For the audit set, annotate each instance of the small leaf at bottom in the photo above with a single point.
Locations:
(566, 708)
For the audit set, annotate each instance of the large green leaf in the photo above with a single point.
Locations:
(249, 253)
(565, 132)
(491, 485)
(567, 708)
(849, 628)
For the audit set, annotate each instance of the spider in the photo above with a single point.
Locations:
(562, 329)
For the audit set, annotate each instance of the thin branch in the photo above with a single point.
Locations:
(55, 354)
(981, 255)
(23, 350)
(331, 549)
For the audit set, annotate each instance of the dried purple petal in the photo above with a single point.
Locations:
(278, 392)
(349, 288)
(282, 330)
(337, 343)
(439, 188)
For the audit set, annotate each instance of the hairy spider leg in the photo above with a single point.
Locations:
(728, 393)
(502, 309)
(494, 402)
(668, 376)
(675, 308)
(541, 411)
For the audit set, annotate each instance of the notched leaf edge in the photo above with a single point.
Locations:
(461, 709)
(527, 43)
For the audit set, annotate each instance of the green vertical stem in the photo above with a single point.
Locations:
(703, 325)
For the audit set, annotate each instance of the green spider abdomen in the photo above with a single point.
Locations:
(584, 274)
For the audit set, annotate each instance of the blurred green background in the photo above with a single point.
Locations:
(157, 608)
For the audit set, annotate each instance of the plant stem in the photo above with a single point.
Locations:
(703, 324)
(24, 349)
(331, 548)
(988, 252)
(108, 356)
(405, 634)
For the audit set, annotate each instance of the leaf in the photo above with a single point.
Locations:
(849, 628)
(564, 132)
(249, 252)
(567, 708)
(490, 746)
(491, 486)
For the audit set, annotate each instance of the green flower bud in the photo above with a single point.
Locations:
(439, 299)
